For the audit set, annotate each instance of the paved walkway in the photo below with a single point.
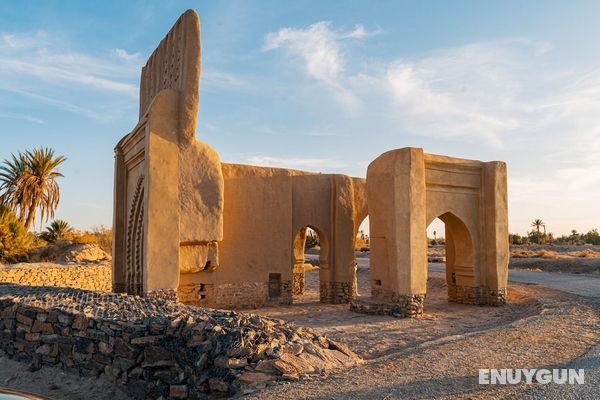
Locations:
(579, 284)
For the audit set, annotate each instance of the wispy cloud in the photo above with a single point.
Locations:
(124, 55)
(37, 39)
(320, 48)
(221, 79)
(506, 95)
(23, 117)
(41, 67)
(309, 163)
(59, 104)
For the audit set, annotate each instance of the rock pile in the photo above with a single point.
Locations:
(155, 347)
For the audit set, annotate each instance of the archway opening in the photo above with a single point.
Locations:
(362, 251)
(454, 248)
(310, 251)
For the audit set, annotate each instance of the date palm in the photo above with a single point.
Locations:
(29, 185)
(10, 173)
(59, 229)
(537, 224)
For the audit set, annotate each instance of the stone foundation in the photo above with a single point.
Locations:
(392, 304)
(235, 295)
(476, 295)
(336, 292)
(298, 283)
(164, 294)
(90, 277)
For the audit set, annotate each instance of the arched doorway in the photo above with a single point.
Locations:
(310, 258)
(362, 251)
(459, 256)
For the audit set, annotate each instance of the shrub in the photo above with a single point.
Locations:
(58, 230)
(515, 238)
(99, 235)
(15, 241)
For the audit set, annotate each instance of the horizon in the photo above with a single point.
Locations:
(324, 88)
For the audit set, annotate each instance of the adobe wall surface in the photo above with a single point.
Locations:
(265, 210)
(89, 277)
(156, 348)
(168, 202)
(407, 189)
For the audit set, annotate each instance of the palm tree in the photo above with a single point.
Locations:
(29, 184)
(58, 230)
(10, 173)
(537, 224)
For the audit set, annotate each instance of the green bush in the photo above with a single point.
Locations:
(58, 230)
(15, 241)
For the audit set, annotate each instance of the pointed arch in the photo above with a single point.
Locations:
(134, 263)
(461, 275)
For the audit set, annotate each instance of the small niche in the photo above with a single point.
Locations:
(274, 285)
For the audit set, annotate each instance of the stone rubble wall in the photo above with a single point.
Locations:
(89, 277)
(234, 295)
(336, 292)
(153, 347)
(476, 295)
(390, 303)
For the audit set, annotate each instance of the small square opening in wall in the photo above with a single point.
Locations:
(274, 285)
(201, 287)
(378, 282)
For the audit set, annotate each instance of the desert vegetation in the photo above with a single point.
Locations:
(30, 192)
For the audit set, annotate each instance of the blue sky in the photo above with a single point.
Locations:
(322, 86)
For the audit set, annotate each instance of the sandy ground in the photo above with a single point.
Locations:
(55, 383)
(375, 336)
(447, 367)
(436, 356)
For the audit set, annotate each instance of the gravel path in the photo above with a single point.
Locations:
(448, 368)
(590, 362)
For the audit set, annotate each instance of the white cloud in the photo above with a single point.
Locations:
(70, 69)
(124, 55)
(42, 67)
(509, 96)
(25, 41)
(467, 92)
(22, 117)
(37, 56)
(310, 163)
(320, 48)
(316, 45)
(360, 32)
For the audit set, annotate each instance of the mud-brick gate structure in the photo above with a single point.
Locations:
(406, 190)
(188, 227)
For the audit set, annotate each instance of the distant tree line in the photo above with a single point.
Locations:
(538, 235)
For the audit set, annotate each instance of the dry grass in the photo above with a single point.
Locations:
(553, 254)
(549, 252)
